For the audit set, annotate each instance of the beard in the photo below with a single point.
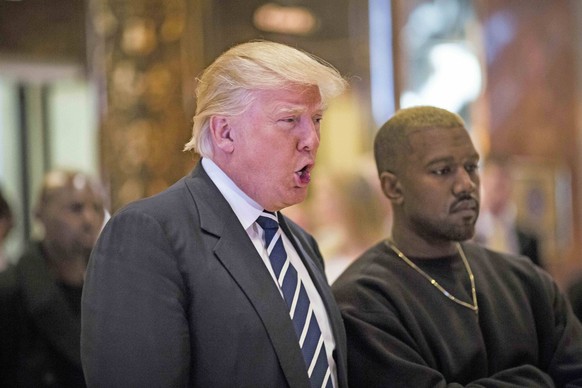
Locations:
(444, 231)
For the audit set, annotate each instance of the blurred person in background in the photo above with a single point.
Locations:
(350, 216)
(497, 227)
(6, 225)
(574, 292)
(40, 297)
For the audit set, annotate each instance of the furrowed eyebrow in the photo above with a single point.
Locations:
(445, 159)
(448, 159)
(295, 110)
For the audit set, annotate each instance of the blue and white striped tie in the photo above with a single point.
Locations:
(300, 309)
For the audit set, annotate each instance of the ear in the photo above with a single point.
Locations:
(221, 132)
(391, 187)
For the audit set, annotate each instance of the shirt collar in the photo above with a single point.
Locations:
(245, 208)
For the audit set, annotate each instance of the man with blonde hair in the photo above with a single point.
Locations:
(207, 284)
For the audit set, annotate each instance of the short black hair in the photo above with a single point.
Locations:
(391, 139)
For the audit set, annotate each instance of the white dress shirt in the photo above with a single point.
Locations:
(247, 211)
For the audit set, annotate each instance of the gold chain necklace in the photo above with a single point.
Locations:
(432, 281)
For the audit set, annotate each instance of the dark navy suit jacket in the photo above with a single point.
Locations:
(176, 295)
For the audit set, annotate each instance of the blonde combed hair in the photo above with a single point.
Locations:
(227, 86)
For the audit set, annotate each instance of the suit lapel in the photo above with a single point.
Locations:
(238, 255)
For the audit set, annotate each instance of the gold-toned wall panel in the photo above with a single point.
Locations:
(137, 57)
(531, 111)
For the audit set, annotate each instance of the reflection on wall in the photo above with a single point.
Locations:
(440, 60)
(382, 85)
(73, 124)
(453, 83)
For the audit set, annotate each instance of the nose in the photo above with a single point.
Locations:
(309, 140)
(91, 215)
(465, 182)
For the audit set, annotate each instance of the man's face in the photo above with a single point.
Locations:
(440, 185)
(275, 144)
(72, 218)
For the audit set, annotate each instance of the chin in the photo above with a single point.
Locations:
(299, 195)
(463, 234)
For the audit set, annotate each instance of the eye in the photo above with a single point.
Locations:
(76, 207)
(289, 119)
(472, 167)
(442, 171)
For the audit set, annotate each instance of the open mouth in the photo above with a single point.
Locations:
(304, 174)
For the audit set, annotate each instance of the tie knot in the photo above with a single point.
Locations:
(268, 220)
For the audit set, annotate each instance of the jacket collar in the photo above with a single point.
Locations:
(234, 249)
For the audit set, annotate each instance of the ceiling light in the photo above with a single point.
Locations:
(285, 20)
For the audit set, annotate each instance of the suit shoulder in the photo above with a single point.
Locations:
(169, 202)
